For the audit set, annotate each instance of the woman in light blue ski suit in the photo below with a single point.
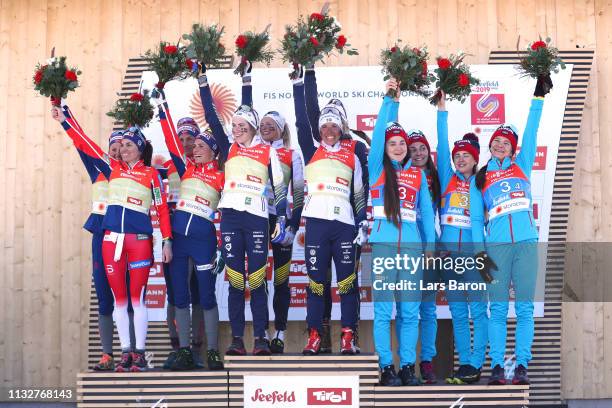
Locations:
(397, 189)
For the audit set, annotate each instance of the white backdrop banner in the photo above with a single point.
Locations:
(502, 97)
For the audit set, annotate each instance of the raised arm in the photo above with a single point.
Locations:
(89, 151)
(305, 138)
(211, 116)
(89, 162)
(175, 147)
(445, 170)
(526, 156)
(377, 150)
(312, 102)
(247, 88)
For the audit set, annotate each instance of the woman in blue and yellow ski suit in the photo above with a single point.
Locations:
(274, 131)
(389, 151)
(333, 178)
(502, 189)
(313, 110)
(249, 165)
(456, 239)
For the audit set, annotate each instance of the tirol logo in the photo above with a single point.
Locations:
(273, 397)
(488, 109)
(253, 178)
(342, 181)
(366, 122)
(330, 396)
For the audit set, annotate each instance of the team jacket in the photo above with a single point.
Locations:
(247, 169)
(506, 197)
(131, 191)
(313, 111)
(99, 183)
(199, 187)
(413, 191)
(293, 172)
(333, 174)
(455, 220)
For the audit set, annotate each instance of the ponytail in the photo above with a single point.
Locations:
(481, 177)
(391, 198)
(147, 153)
(435, 182)
(286, 136)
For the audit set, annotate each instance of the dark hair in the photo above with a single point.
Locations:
(435, 182)
(481, 177)
(147, 153)
(363, 136)
(391, 198)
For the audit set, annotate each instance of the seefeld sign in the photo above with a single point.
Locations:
(301, 391)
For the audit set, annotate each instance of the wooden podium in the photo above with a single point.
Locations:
(225, 388)
(153, 388)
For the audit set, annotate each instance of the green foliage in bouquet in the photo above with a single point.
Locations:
(454, 78)
(409, 66)
(168, 61)
(540, 60)
(54, 79)
(205, 44)
(134, 111)
(253, 47)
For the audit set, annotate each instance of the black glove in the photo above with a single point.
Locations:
(543, 86)
(488, 264)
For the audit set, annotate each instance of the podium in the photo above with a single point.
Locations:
(225, 388)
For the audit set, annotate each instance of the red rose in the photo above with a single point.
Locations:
(424, 68)
(394, 49)
(70, 75)
(241, 41)
(38, 76)
(444, 63)
(170, 49)
(317, 16)
(341, 41)
(160, 85)
(463, 80)
(314, 41)
(136, 97)
(538, 44)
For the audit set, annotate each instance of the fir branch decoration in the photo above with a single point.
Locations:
(134, 111)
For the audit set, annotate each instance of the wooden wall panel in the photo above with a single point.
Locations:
(44, 253)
